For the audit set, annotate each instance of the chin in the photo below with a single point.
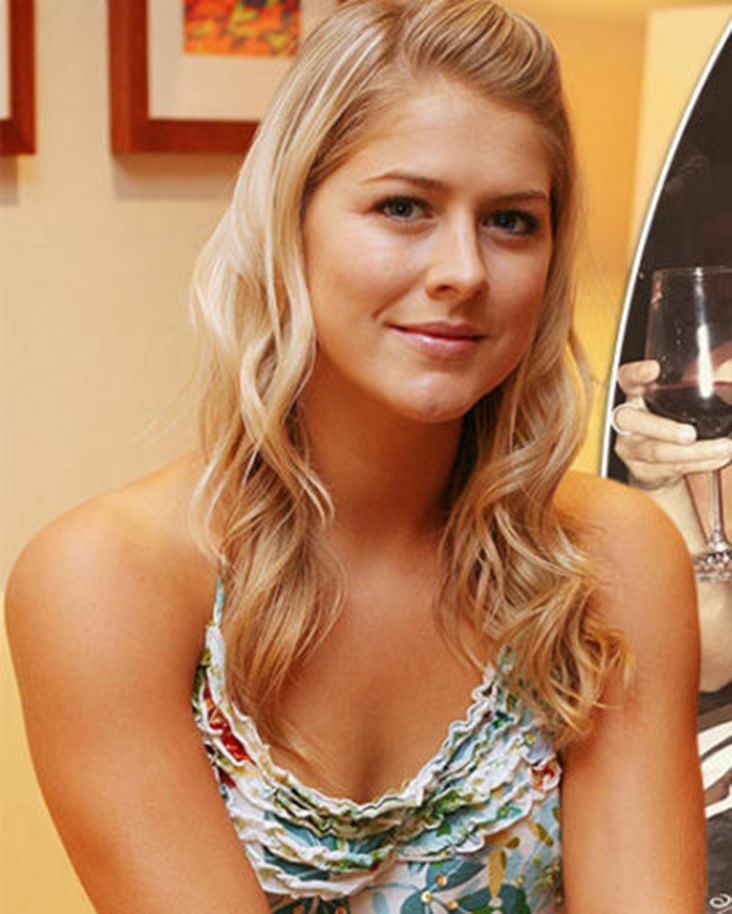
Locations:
(437, 402)
(435, 412)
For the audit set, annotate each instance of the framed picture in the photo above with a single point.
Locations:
(197, 75)
(17, 93)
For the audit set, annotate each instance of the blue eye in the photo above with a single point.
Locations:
(514, 222)
(404, 209)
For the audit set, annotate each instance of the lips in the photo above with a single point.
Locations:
(442, 330)
(440, 339)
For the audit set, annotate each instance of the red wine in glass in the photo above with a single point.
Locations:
(710, 415)
(689, 334)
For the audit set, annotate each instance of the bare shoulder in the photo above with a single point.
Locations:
(604, 506)
(637, 771)
(621, 527)
(106, 616)
(646, 584)
(116, 573)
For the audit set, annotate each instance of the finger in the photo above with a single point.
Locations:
(702, 452)
(634, 419)
(656, 476)
(653, 475)
(634, 377)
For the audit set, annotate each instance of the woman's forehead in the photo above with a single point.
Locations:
(439, 128)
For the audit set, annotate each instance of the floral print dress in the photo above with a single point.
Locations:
(476, 830)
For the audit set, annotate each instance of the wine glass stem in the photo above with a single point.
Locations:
(717, 536)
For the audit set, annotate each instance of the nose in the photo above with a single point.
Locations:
(457, 268)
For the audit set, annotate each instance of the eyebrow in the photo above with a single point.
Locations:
(436, 184)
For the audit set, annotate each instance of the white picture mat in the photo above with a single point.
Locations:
(4, 60)
(206, 86)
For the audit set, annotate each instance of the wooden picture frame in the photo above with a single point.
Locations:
(17, 130)
(133, 129)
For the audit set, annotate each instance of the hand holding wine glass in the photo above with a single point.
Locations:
(657, 451)
(690, 336)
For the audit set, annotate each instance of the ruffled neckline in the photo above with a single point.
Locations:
(412, 789)
(493, 765)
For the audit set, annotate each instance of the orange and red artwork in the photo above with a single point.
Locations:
(255, 28)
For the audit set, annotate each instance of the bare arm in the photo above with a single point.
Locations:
(632, 803)
(105, 647)
(664, 458)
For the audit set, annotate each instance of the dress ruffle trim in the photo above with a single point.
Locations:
(490, 770)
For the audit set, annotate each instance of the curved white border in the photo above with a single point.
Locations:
(625, 314)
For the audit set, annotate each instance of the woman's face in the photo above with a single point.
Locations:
(427, 253)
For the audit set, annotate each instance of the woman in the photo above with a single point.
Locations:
(664, 458)
(391, 406)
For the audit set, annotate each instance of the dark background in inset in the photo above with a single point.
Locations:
(692, 224)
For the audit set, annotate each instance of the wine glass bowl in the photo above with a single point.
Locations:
(689, 334)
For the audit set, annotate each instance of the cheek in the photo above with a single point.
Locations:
(521, 290)
(518, 299)
(353, 276)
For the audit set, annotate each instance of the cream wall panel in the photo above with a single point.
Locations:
(95, 258)
(602, 59)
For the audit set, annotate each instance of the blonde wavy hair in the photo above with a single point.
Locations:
(511, 564)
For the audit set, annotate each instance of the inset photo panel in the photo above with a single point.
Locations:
(669, 413)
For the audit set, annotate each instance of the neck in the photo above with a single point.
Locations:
(387, 474)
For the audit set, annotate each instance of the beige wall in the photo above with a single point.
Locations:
(602, 60)
(95, 255)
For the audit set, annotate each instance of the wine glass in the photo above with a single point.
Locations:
(690, 335)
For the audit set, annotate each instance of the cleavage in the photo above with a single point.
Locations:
(374, 704)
